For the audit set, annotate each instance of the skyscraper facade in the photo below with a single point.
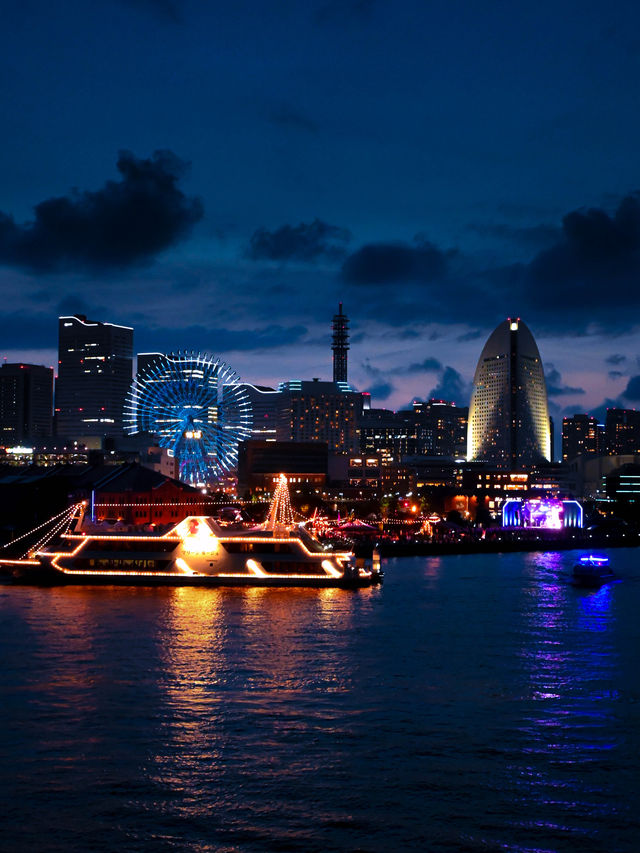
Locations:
(622, 431)
(340, 345)
(509, 414)
(95, 367)
(26, 403)
(320, 411)
(582, 435)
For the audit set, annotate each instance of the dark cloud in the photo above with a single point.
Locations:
(470, 336)
(429, 365)
(287, 116)
(389, 263)
(600, 412)
(452, 387)
(28, 331)
(532, 237)
(598, 254)
(126, 223)
(217, 340)
(304, 242)
(381, 388)
(615, 374)
(632, 391)
(380, 391)
(615, 359)
(564, 288)
(555, 386)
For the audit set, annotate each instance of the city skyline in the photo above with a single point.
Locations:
(434, 170)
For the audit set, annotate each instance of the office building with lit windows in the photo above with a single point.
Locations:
(509, 415)
(320, 411)
(582, 435)
(622, 431)
(95, 367)
(26, 403)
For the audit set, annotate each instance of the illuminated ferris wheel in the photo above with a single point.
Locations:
(197, 407)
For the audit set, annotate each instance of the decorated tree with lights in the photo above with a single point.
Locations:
(280, 511)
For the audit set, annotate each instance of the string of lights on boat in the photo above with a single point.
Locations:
(198, 408)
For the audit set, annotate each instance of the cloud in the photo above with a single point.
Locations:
(555, 387)
(27, 331)
(600, 412)
(565, 287)
(597, 255)
(470, 336)
(615, 359)
(217, 340)
(429, 365)
(452, 387)
(126, 223)
(389, 263)
(304, 242)
(531, 237)
(287, 116)
(615, 374)
(632, 391)
(382, 388)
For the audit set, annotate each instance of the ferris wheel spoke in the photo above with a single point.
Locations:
(189, 392)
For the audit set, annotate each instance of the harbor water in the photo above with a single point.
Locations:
(471, 703)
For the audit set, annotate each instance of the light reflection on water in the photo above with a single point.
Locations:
(471, 703)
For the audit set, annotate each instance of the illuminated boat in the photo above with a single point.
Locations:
(592, 570)
(198, 551)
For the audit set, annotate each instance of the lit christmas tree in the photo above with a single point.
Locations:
(280, 512)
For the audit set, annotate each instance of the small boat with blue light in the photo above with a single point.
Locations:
(592, 570)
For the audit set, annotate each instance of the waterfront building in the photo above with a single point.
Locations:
(26, 403)
(340, 345)
(582, 435)
(509, 415)
(95, 366)
(434, 428)
(622, 431)
(265, 403)
(447, 425)
(389, 435)
(365, 472)
(262, 461)
(320, 411)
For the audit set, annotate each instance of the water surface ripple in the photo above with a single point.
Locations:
(473, 703)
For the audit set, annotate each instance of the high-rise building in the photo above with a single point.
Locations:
(434, 428)
(340, 345)
(448, 424)
(26, 403)
(622, 431)
(264, 403)
(581, 436)
(95, 367)
(509, 415)
(320, 411)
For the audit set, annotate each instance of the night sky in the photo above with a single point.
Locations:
(221, 175)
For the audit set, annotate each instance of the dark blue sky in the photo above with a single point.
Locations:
(435, 165)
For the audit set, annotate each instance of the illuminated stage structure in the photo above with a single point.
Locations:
(542, 513)
(197, 407)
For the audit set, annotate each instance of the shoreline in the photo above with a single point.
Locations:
(483, 546)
